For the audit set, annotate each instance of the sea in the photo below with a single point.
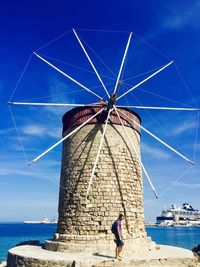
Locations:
(14, 233)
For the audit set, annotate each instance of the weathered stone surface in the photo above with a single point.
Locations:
(34, 256)
(116, 187)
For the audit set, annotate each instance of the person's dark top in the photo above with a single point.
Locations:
(119, 226)
(118, 238)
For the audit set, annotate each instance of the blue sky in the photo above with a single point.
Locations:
(162, 31)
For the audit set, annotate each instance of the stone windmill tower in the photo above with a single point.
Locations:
(101, 172)
(116, 186)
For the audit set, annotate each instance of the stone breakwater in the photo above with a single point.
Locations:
(35, 256)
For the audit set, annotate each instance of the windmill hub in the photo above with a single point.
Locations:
(111, 102)
(113, 97)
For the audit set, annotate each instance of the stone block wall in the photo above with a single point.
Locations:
(116, 186)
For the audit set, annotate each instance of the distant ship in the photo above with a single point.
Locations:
(43, 221)
(185, 216)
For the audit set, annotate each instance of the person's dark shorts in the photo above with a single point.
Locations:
(119, 243)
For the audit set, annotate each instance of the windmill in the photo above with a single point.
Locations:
(107, 109)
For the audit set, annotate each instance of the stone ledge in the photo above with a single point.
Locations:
(100, 246)
(32, 256)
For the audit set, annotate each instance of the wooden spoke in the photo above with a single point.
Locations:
(66, 75)
(51, 104)
(122, 64)
(64, 138)
(89, 59)
(135, 151)
(160, 108)
(98, 153)
(143, 81)
(158, 139)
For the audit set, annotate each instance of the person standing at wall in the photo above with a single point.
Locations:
(117, 231)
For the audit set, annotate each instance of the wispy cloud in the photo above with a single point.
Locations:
(6, 131)
(13, 171)
(192, 146)
(187, 185)
(50, 163)
(184, 126)
(154, 152)
(182, 16)
(37, 130)
(41, 131)
(55, 132)
(31, 172)
(16, 146)
(176, 16)
(58, 90)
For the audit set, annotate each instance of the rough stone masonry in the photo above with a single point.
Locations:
(85, 223)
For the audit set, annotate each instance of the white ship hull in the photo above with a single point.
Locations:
(39, 222)
(32, 222)
(43, 221)
(185, 216)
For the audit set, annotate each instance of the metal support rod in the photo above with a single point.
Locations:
(52, 104)
(145, 79)
(89, 59)
(158, 139)
(160, 108)
(135, 151)
(123, 60)
(84, 105)
(66, 75)
(64, 138)
(98, 153)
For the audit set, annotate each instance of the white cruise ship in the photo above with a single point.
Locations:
(184, 215)
(43, 221)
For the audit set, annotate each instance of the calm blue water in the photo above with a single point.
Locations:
(185, 237)
(13, 233)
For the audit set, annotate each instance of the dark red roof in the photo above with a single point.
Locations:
(77, 116)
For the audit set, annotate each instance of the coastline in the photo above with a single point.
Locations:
(184, 237)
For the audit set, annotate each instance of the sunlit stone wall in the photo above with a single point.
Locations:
(116, 186)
